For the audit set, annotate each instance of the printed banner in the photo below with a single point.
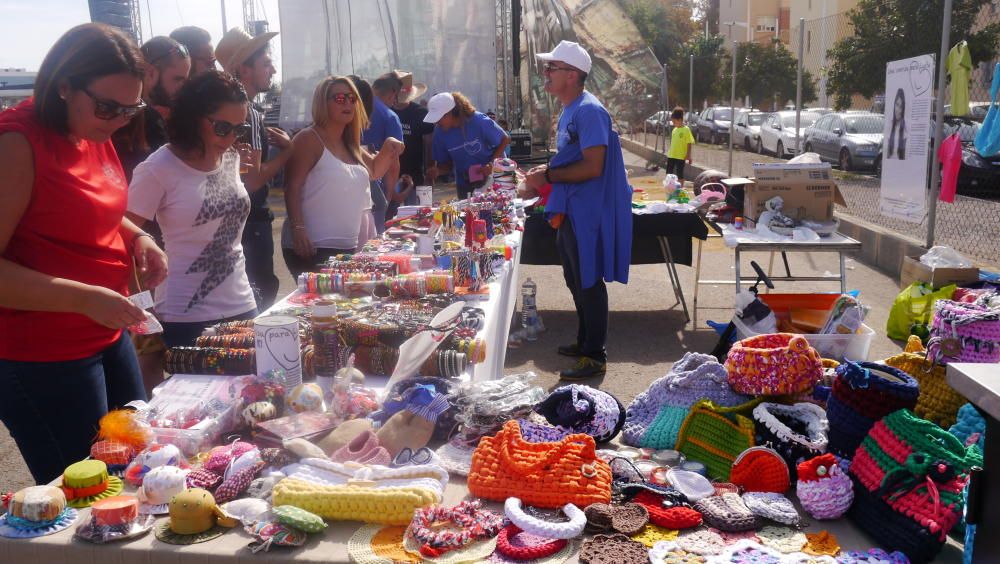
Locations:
(909, 96)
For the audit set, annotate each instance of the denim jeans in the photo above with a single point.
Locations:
(184, 333)
(258, 248)
(52, 408)
(591, 303)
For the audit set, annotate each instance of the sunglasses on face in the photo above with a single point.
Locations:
(342, 98)
(109, 109)
(222, 128)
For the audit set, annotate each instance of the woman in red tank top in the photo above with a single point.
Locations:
(66, 250)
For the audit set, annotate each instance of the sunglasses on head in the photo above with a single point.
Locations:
(342, 98)
(223, 128)
(109, 109)
(176, 50)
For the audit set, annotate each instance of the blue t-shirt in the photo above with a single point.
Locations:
(471, 144)
(584, 121)
(382, 124)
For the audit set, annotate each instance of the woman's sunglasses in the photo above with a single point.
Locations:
(342, 98)
(109, 109)
(223, 128)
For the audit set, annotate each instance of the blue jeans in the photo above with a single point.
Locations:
(52, 408)
(184, 333)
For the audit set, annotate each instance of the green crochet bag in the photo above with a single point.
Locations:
(715, 435)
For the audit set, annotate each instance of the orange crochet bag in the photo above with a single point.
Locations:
(760, 469)
(540, 474)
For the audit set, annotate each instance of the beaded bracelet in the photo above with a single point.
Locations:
(475, 523)
(547, 529)
(532, 552)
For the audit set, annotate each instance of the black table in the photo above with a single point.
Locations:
(656, 238)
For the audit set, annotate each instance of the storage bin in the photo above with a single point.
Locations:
(836, 347)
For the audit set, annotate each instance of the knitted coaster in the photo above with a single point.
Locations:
(750, 552)
(782, 538)
(377, 544)
(651, 534)
(627, 519)
(472, 552)
(613, 549)
(821, 543)
(703, 542)
(873, 556)
(557, 558)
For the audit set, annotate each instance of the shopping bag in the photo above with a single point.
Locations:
(912, 308)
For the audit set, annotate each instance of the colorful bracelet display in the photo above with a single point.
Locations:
(414, 285)
(473, 521)
(210, 360)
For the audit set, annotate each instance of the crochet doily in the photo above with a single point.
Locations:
(557, 558)
(667, 552)
(701, 541)
(821, 543)
(473, 552)
(782, 538)
(613, 549)
(873, 556)
(735, 537)
(378, 544)
(651, 534)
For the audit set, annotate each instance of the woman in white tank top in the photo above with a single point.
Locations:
(327, 189)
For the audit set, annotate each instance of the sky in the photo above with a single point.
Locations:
(29, 27)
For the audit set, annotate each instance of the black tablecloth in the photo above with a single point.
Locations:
(539, 245)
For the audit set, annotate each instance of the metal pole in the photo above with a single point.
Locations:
(935, 186)
(225, 27)
(691, 83)
(798, 86)
(732, 105)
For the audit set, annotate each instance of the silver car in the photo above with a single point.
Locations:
(777, 133)
(746, 132)
(851, 140)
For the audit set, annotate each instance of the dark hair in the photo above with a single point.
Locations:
(82, 55)
(678, 113)
(365, 91)
(260, 52)
(161, 51)
(202, 95)
(387, 82)
(191, 36)
(899, 146)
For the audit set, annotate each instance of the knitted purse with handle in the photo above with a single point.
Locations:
(863, 393)
(938, 402)
(655, 416)
(796, 431)
(540, 474)
(962, 332)
(715, 435)
(776, 364)
(908, 478)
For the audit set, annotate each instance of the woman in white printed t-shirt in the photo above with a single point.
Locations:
(327, 178)
(192, 188)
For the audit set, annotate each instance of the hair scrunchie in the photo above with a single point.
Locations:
(546, 529)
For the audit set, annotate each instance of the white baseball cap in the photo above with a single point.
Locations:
(570, 53)
(438, 106)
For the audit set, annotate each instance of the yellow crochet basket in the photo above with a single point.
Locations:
(938, 402)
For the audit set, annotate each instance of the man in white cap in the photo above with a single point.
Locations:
(590, 204)
(249, 60)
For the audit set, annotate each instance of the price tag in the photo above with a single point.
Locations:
(142, 300)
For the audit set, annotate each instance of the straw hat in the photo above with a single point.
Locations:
(236, 46)
(410, 90)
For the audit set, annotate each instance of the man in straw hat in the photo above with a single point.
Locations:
(249, 60)
(398, 91)
(590, 204)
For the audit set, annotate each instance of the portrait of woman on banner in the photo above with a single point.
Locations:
(896, 148)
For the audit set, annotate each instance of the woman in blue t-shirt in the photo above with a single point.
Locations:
(465, 141)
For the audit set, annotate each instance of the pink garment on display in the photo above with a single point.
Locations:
(950, 155)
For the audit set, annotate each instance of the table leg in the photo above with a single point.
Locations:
(843, 273)
(770, 270)
(697, 284)
(675, 279)
(784, 259)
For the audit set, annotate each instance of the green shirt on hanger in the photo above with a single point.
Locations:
(959, 67)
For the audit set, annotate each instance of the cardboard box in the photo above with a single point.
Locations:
(808, 190)
(915, 271)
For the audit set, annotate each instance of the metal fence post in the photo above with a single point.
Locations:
(732, 106)
(798, 87)
(935, 180)
(691, 83)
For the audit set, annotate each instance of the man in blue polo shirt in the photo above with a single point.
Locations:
(590, 204)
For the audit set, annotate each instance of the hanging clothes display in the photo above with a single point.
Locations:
(959, 66)
(988, 138)
(950, 155)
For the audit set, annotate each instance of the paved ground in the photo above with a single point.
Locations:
(647, 331)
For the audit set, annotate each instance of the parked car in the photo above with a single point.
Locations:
(658, 122)
(713, 125)
(691, 119)
(820, 111)
(851, 140)
(777, 133)
(746, 132)
(977, 110)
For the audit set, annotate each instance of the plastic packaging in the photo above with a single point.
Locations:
(529, 309)
(943, 256)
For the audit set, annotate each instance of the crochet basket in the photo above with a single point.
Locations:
(908, 479)
(655, 416)
(715, 435)
(938, 402)
(772, 365)
(863, 393)
(824, 489)
(547, 475)
(583, 409)
(962, 332)
(796, 431)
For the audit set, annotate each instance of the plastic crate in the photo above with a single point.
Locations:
(836, 347)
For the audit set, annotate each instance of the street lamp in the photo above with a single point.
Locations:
(732, 91)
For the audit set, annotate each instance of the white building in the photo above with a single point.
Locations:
(15, 85)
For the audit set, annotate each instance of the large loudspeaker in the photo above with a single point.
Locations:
(113, 12)
(515, 36)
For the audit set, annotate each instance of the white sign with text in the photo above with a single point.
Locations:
(909, 96)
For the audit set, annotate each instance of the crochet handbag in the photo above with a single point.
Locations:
(962, 332)
(773, 365)
(863, 393)
(540, 474)
(824, 489)
(938, 402)
(655, 416)
(908, 479)
(760, 469)
(584, 410)
(795, 431)
(726, 512)
(715, 435)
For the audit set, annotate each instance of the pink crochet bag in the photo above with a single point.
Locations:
(962, 332)
(773, 365)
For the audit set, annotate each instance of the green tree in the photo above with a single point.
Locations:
(766, 74)
(663, 24)
(889, 30)
(707, 53)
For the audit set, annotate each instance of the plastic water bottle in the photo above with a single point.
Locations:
(529, 309)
